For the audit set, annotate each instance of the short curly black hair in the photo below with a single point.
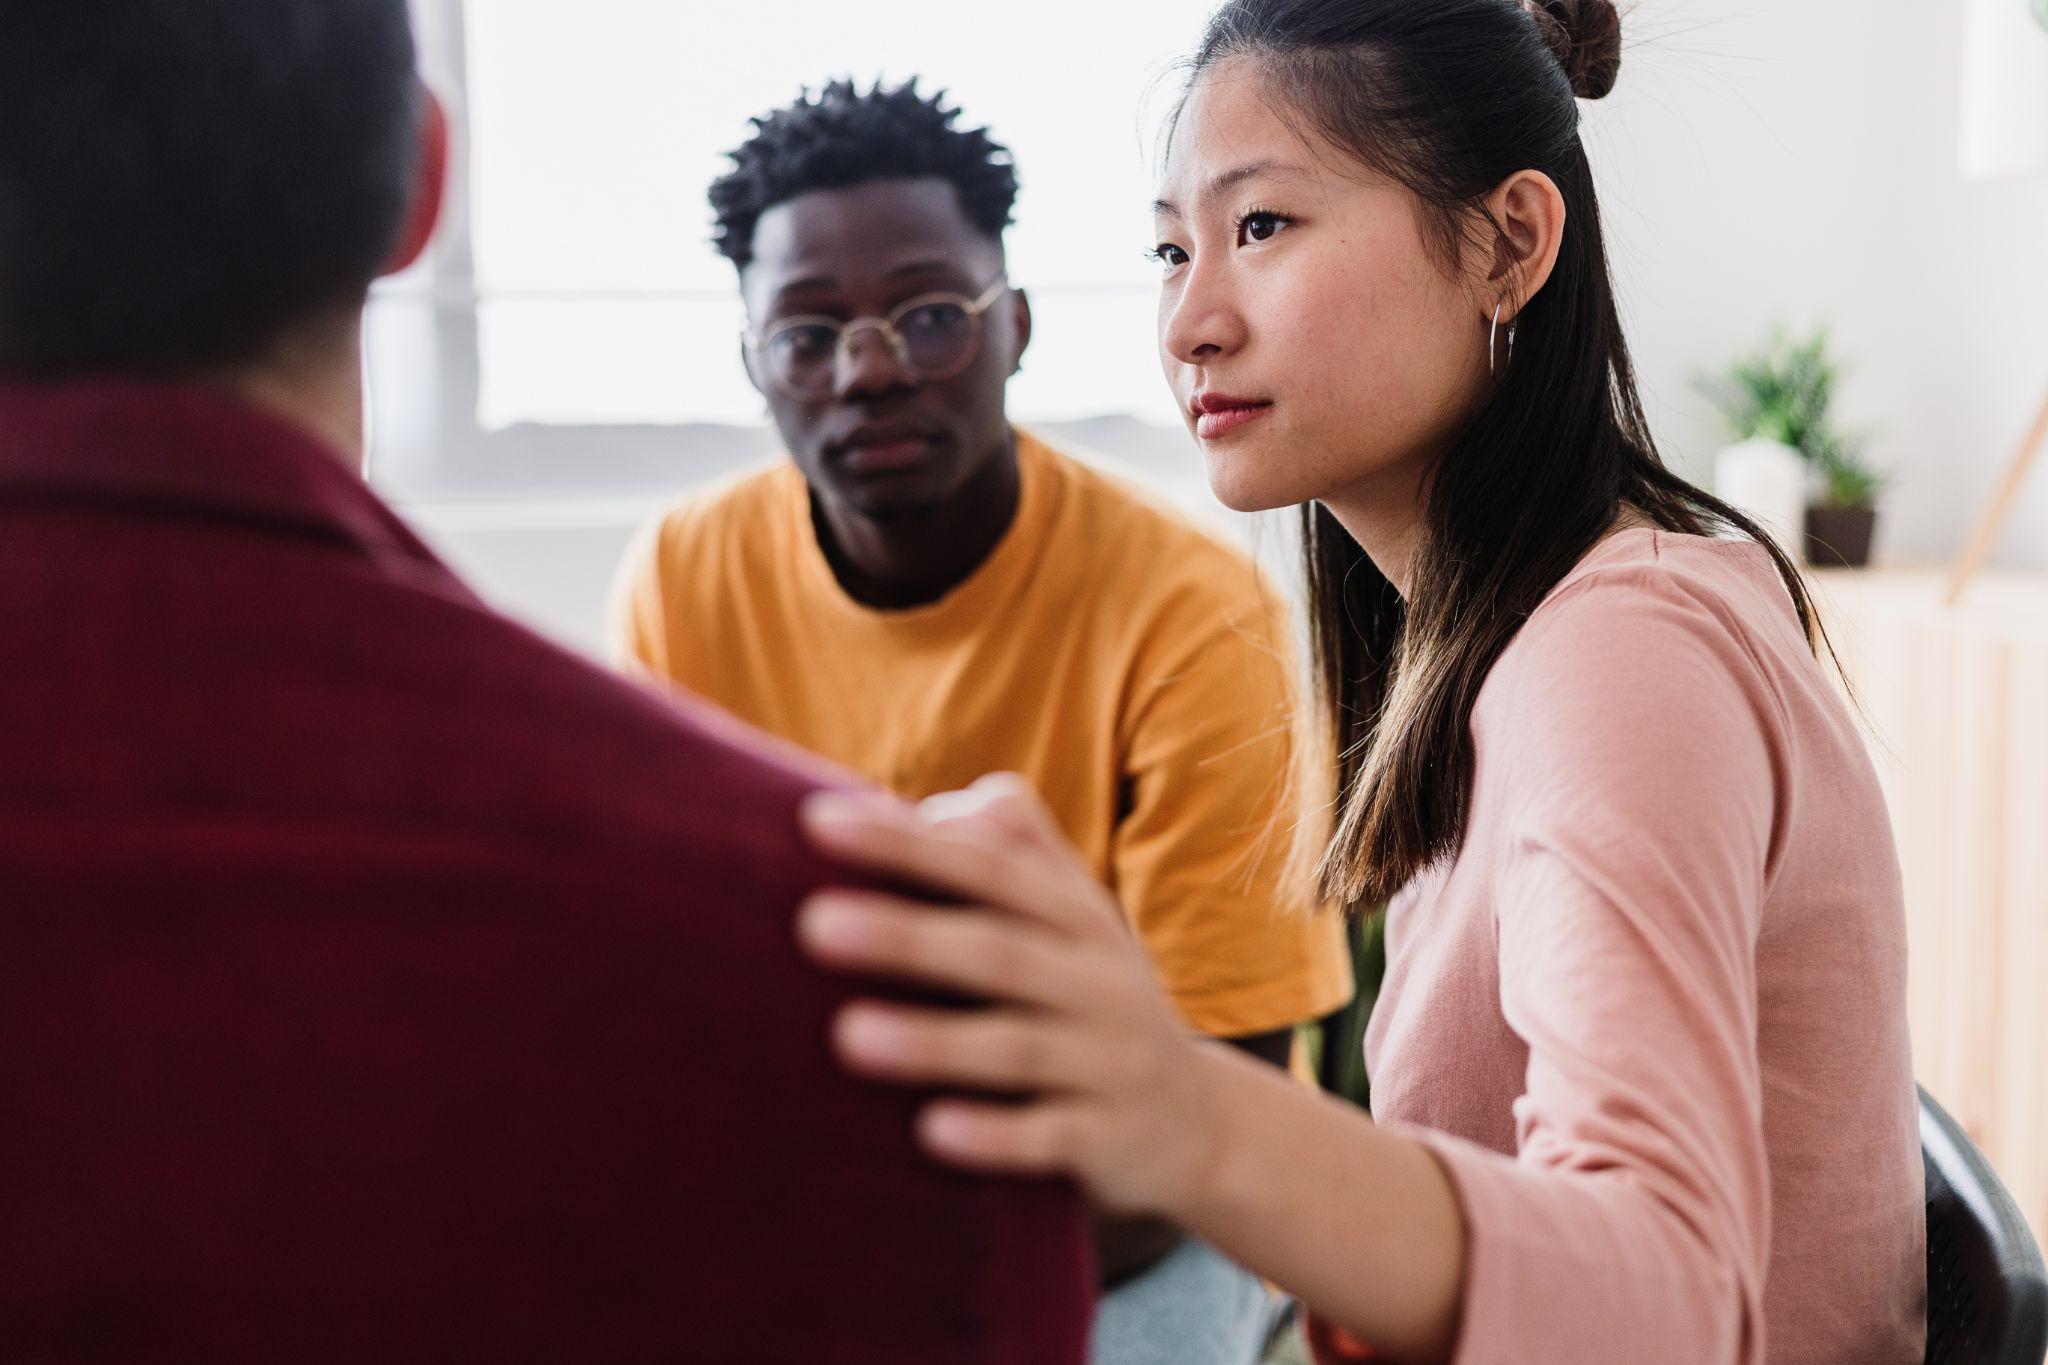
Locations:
(842, 136)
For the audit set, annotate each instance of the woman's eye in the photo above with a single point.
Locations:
(1260, 226)
(1167, 255)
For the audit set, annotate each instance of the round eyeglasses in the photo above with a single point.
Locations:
(933, 337)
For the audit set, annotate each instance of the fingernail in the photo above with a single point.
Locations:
(865, 1033)
(829, 810)
(823, 923)
(945, 1131)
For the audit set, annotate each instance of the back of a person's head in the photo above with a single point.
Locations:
(183, 182)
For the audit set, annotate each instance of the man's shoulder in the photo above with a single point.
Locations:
(379, 700)
(1129, 533)
(636, 764)
(596, 777)
(734, 510)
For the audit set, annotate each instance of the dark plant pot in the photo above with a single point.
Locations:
(1839, 537)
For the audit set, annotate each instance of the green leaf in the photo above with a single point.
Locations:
(1846, 479)
(1785, 390)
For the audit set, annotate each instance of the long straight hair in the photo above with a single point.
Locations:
(1449, 98)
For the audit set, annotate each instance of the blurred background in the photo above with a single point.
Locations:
(567, 360)
(1870, 176)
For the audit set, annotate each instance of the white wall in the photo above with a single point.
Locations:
(1796, 160)
(1761, 160)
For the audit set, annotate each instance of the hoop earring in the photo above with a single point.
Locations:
(1493, 338)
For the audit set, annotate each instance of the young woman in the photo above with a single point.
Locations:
(1640, 1071)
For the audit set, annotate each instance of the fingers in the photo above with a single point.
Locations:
(952, 808)
(996, 1050)
(1009, 801)
(1004, 1139)
(1003, 801)
(990, 956)
(964, 858)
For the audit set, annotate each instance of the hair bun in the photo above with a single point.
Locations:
(1585, 35)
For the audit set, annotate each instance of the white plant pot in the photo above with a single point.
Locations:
(1767, 480)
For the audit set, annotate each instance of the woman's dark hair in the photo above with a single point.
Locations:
(1449, 98)
(182, 181)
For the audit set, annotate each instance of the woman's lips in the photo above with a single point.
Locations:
(1219, 420)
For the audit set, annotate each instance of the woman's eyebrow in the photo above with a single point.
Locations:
(1230, 179)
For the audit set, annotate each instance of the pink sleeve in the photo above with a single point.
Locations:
(1638, 748)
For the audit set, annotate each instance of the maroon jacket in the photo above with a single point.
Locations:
(379, 982)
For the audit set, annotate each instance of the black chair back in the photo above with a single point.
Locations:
(1987, 1294)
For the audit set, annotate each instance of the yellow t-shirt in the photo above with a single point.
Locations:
(1133, 667)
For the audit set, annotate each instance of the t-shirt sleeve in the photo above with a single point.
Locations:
(636, 636)
(1201, 854)
(1639, 745)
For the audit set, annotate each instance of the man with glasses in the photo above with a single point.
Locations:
(924, 594)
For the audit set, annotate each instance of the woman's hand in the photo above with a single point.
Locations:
(1361, 1224)
(1108, 1086)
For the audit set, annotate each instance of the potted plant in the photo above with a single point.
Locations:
(1842, 518)
(1778, 402)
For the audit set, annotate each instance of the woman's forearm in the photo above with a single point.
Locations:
(1360, 1224)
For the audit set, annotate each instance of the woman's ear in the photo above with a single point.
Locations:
(429, 190)
(1529, 221)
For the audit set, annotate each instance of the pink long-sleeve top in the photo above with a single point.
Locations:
(1651, 1017)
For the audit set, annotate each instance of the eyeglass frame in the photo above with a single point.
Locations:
(757, 343)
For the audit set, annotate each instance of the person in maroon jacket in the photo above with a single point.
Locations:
(377, 981)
